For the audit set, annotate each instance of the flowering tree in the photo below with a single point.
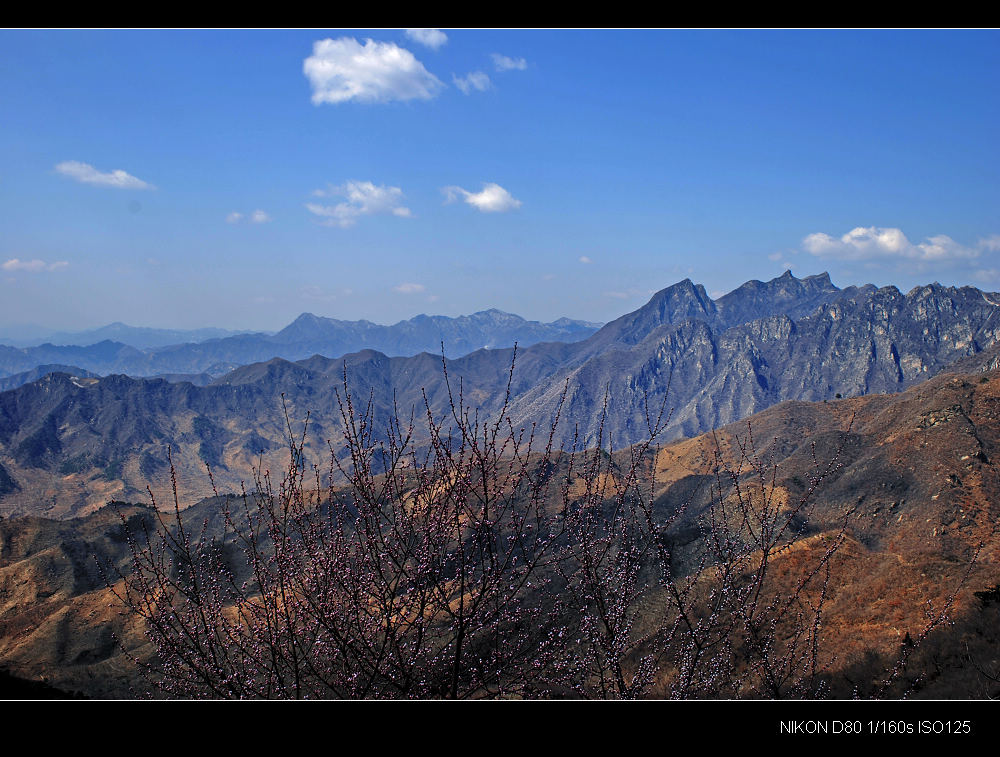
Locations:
(475, 561)
(420, 574)
(718, 626)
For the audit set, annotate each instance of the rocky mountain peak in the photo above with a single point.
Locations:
(785, 294)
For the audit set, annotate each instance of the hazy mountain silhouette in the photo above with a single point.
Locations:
(149, 352)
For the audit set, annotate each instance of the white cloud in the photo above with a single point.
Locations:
(775, 256)
(257, 216)
(868, 243)
(409, 288)
(990, 243)
(585, 260)
(363, 199)
(503, 63)
(476, 80)
(32, 266)
(492, 199)
(87, 174)
(15, 264)
(943, 247)
(432, 38)
(343, 69)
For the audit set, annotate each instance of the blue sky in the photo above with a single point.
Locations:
(239, 178)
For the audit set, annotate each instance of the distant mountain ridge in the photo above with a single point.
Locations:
(307, 335)
(686, 300)
(856, 342)
(461, 335)
(140, 337)
(19, 379)
(72, 443)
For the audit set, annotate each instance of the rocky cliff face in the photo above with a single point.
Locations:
(862, 341)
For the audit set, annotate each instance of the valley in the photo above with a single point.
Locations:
(794, 364)
(914, 476)
(70, 443)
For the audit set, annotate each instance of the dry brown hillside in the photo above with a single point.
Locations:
(916, 473)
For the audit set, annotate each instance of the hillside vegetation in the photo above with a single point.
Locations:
(910, 504)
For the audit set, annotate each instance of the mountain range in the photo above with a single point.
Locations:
(140, 337)
(915, 470)
(184, 355)
(69, 443)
